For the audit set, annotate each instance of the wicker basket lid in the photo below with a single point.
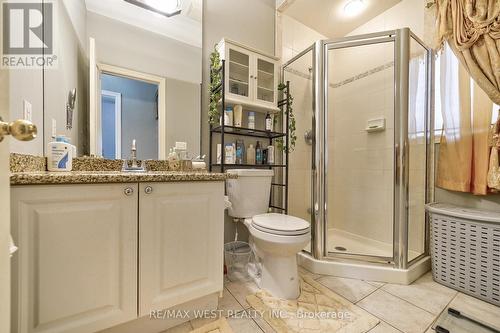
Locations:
(464, 212)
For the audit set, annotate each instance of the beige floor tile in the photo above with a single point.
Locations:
(383, 327)
(229, 304)
(398, 313)
(264, 326)
(424, 293)
(182, 328)
(375, 283)
(244, 325)
(353, 290)
(303, 271)
(477, 309)
(240, 290)
(255, 316)
(199, 322)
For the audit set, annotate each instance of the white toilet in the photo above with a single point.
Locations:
(275, 238)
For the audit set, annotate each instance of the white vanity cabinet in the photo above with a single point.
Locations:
(94, 256)
(251, 76)
(76, 267)
(181, 243)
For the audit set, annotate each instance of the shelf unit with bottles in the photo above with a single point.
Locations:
(223, 131)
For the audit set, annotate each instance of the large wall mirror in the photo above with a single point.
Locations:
(126, 70)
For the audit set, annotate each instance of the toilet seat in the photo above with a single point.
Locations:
(280, 224)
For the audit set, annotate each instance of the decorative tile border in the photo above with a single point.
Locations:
(346, 81)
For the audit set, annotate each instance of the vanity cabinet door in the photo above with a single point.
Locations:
(76, 268)
(181, 236)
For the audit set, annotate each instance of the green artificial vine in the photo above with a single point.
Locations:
(280, 142)
(215, 81)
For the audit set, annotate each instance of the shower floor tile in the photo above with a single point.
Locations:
(338, 240)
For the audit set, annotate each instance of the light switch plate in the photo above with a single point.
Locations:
(27, 111)
(54, 128)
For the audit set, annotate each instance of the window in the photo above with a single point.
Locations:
(451, 89)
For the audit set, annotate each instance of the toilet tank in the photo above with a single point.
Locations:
(249, 193)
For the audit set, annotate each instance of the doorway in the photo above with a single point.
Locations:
(129, 111)
(140, 114)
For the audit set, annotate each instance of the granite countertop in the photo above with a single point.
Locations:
(94, 177)
(30, 170)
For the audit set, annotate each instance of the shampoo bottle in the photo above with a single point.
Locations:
(251, 120)
(240, 149)
(251, 154)
(269, 123)
(258, 153)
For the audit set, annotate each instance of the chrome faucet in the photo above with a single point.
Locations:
(133, 166)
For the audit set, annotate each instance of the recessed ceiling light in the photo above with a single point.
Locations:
(164, 7)
(354, 7)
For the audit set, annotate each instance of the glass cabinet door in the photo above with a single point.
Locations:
(265, 81)
(239, 73)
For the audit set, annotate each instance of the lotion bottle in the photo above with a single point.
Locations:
(60, 154)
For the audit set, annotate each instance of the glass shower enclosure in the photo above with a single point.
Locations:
(362, 170)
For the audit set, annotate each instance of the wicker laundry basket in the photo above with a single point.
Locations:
(465, 250)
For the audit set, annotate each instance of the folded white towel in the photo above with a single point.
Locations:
(12, 247)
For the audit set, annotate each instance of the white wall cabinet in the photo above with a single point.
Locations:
(79, 258)
(251, 76)
(181, 243)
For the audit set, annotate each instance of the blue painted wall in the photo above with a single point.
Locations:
(139, 115)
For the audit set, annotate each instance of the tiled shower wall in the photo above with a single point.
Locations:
(361, 164)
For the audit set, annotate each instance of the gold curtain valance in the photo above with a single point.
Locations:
(472, 29)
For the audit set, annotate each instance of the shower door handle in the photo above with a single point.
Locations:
(397, 153)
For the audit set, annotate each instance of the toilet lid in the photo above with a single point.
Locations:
(280, 224)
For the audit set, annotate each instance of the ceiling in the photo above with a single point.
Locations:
(186, 27)
(327, 16)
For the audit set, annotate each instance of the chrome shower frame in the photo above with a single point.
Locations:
(319, 198)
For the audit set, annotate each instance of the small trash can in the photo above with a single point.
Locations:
(237, 255)
(465, 250)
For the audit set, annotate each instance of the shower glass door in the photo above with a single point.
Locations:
(298, 71)
(360, 147)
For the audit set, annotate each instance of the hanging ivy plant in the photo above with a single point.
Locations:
(281, 142)
(215, 81)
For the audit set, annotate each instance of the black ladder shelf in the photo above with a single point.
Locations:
(223, 130)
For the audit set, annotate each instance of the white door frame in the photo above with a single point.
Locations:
(117, 98)
(5, 208)
(162, 112)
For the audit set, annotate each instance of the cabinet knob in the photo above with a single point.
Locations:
(128, 191)
(148, 190)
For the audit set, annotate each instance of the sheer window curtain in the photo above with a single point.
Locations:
(467, 113)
